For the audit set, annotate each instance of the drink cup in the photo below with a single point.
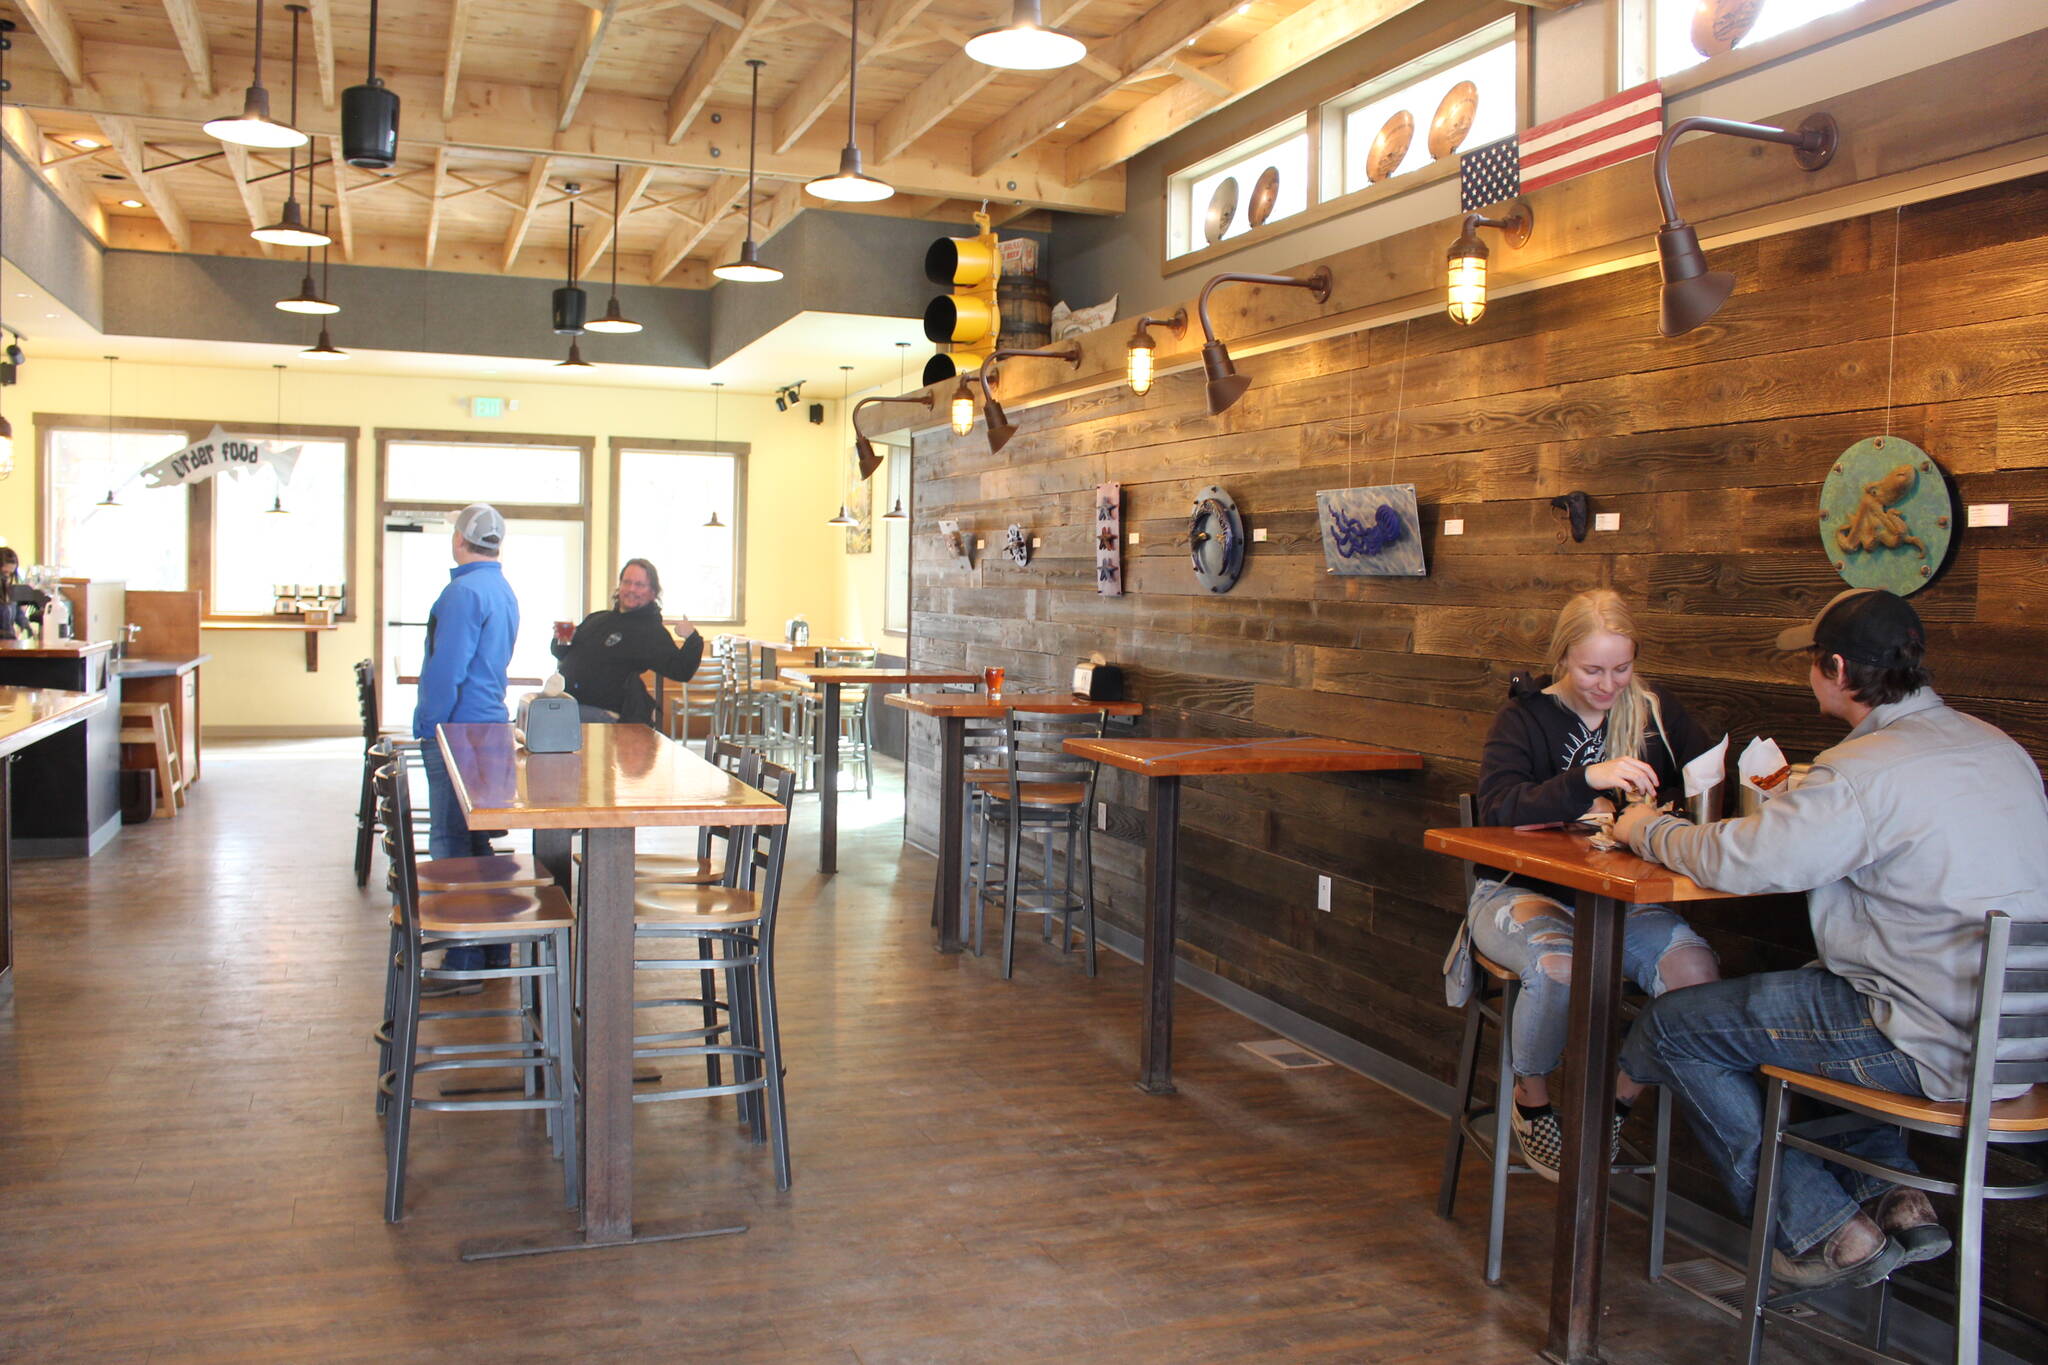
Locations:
(565, 631)
(992, 679)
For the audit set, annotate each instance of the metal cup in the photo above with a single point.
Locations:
(1705, 808)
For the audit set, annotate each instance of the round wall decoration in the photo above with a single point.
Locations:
(1216, 540)
(1222, 209)
(1718, 25)
(1887, 516)
(1390, 146)
(1265, 194)
(1453, 119)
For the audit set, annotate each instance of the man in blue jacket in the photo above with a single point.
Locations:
(469, 645)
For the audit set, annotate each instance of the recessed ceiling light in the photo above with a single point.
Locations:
(1245, 8)
(131, 203)
(18, 294)
(49, 315)
(1061, 124)
(87, 144)
(1189, 43)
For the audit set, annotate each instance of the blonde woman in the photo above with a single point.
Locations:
(1585, 738)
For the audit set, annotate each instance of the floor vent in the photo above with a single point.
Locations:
(1289, 1056)
(1719, 1285)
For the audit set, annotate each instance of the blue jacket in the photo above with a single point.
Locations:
(469, 646)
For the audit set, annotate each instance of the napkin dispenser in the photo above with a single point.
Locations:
(550, 721)
(1098, 681)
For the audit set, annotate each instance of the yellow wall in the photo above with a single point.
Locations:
(795, 563)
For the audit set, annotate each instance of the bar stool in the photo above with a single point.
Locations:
(374, 758)
(539, 920)
(738, 919)
(1052, 792)
(2006, 1049)
(985, 762)
(147, 725)
(856, 734)
(1493, 1002)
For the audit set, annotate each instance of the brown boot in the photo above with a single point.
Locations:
(1908, 1215)
(1857, 1254)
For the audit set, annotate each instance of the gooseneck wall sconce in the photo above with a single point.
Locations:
(1466, 268)
(1000, 428)
(1226, 385)
(1138, 359)
(960, 408)
(869, 460)
(1692, 293)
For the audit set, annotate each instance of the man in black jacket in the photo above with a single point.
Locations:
(603, 661)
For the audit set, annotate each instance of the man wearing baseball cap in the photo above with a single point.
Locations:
(1905, 835)
(469, 646)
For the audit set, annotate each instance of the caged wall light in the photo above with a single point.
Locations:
(1465, 269)
(1138, 368)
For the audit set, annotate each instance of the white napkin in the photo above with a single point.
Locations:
(1762, 758)
(1708, 770)
(554, 686)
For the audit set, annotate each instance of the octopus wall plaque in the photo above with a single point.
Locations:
(1371, 531)
(1887, 516)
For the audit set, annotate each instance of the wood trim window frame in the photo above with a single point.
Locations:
(199, 506)
(1829, 28)
(739, 450)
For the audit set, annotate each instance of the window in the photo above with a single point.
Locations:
(462, 472)
(1211, 201)
(896, 574)
(143, 540)
(1664, 37)
(1353, 121)
(664, 493)
(255, 550)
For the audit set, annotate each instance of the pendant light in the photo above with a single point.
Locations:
(896, 512)
(712, 523)
(614, 320)
(277, 507)
(852, 185)
(325, 347)
(6, 427)
(570, 305)
(254, 127)
(369, 116)
(109, 500)
(845, 374)
(747, 268)
(1027, 44)
(290, 228)
(308, 299)
(575, 359)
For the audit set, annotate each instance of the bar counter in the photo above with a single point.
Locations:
(76, 775)
(28, 716)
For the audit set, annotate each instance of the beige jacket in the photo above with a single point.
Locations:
(1904, 836)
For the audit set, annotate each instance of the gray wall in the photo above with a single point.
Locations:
(46, 243)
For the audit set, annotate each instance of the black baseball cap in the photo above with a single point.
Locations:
(1863, 625)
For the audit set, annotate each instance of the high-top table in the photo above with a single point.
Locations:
(829, 681)
(1607, 883)
(1164, 762)
(626, 777)
(28, 715)
(953, 710)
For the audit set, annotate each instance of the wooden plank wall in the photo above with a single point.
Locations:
(1712, 447)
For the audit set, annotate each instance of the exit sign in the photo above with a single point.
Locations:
(486, 407)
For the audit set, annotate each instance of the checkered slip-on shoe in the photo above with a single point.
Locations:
(1541, 1142)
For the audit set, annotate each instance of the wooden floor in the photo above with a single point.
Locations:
(190, 1168)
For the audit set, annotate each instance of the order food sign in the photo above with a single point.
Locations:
(220, 453)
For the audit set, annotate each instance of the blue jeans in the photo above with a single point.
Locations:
(448, 831)
(1706, 1043)
(1531, 934)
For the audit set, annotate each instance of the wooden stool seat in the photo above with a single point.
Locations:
(698, 907)
(685, 869)
(1044, 793)
(1492, 968)
(2026, 1113)
(494, 871)
(484, 912)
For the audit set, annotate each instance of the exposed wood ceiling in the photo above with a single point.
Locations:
(507, 103)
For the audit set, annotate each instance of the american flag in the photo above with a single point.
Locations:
(1488, 175)
(1618, 128)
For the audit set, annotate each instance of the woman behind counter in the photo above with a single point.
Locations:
(603, 661)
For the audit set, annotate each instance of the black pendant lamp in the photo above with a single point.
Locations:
(369, 116)
(325, 349)
(575, 360)
(614, 320)
(570, 304)
(309, 299)
(712, 523)
(290, 228)
(852, 185)
(254, 127)
(747, 269)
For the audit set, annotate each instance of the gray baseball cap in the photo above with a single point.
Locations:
(480, 525)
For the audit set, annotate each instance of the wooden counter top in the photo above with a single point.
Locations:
(980, 706)
(847, 677)
(28, 714)
(1569, 859)
(138, 666)
(1198, 757)
(62, 649)
(625, 776)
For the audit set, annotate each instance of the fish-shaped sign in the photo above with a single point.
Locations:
(221, 453)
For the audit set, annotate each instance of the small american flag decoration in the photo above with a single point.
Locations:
(1489, 175)
(1618, 128)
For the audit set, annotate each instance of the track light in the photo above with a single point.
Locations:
(254, 127)
(1692, 293)
(851, 185)
(1000, 428)
(1026, 44)
(1138, 367)
(1226, 385)
(369, 116)
(869, 460)
(747, 267)
(1465, 270)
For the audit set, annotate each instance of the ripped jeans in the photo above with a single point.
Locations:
(1531, 934)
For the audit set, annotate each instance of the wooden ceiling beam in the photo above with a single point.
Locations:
(958, 79)
(632, 185)
(451, 63)
(1287, 46)
(721, 50)
(48, 21)
(499, 118)
(583, 60)
(824, 85)
(710, 9)
(685, 235)
(536, 183)
(127, 145)
(323, 48)
(190, 27)
(337, 171)
(237, 160)
(1158, 35)
(434, 207)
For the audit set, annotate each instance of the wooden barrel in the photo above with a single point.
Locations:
(1026, 304)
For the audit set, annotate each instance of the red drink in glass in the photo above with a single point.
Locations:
(992, 679)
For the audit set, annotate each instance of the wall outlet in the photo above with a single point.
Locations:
(1134, 537)
(1322, 892)
(1258, 533)
(1454, 526)
(1989, 514)
(1036, 542)
(1102, 815)
(1607, 521)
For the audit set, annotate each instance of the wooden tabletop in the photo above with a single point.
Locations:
(763, 642)
(28, 714)
(144, 666)
(73, 649)
(905, 677)
(980, 706)
(1200, 757)
(625, 776)
(1569, 859)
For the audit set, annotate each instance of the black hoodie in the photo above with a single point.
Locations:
(1533, 770)
(611, 649)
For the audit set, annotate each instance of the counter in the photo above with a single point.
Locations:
(173, 682)
(28, 717)
(71, 777)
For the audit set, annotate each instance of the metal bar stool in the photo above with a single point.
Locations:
(537, 919)
(1494, 994)
(2009, 1047)
(1052, 792)
(373, 759)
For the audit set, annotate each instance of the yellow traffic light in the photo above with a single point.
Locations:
(966, 320)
